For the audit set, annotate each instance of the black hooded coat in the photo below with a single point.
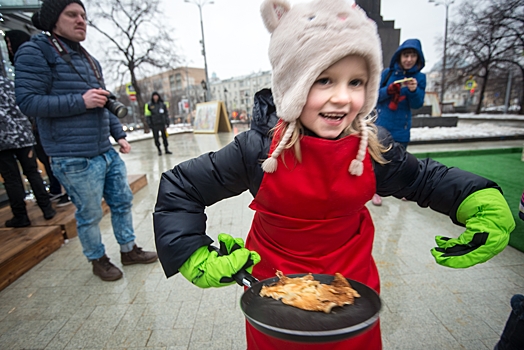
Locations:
(187, 189)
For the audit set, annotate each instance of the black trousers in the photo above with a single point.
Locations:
(54, 185)
(13, 184)
(159, 129)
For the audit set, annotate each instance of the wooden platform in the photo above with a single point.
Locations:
(65, 216)
(23, 248)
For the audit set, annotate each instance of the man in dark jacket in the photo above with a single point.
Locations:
(157, 118)
(61, 85)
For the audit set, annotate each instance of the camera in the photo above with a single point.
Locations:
(115, 106)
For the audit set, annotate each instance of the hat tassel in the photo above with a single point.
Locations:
(270, 164)
(357, 166)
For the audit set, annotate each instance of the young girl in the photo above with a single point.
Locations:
(326, 160)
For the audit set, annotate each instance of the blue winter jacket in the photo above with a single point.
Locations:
(398, 122)
(49, 89)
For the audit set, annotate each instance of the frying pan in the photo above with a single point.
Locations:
(276, 319)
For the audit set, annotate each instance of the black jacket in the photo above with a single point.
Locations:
(187, 189)
(159, 114)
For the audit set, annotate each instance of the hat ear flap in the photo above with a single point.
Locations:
(272, 11)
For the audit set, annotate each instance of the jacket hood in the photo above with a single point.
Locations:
(409, 44)
(159, 98)
(264, 112)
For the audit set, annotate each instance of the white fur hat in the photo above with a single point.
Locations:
(305, 40)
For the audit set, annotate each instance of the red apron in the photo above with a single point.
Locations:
(311, 217)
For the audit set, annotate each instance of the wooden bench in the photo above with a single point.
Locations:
(23, 248)
(65, 216)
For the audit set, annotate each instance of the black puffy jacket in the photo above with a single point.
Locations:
(187, 189)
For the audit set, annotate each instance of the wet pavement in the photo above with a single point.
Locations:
(60, 304)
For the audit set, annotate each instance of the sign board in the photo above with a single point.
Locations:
(211, 118)
(132, 97)
(431, 99)
(130, 90)
(183, 106)
(470, 85)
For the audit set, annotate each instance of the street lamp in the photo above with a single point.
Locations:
(246, 95)
(200, 4)
(225, 95)
(446, 3)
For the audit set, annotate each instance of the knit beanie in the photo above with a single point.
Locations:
(46, 18)
(308, 38)
(16, 38)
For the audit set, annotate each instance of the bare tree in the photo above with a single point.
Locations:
(485, 39)
(510, 13)
(137, 40)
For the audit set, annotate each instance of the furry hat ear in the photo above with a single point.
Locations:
(272, 11)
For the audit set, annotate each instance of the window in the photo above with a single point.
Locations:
(178, 78)
(172, 82)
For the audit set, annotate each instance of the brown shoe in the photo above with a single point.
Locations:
(104, 269)
(138, 256)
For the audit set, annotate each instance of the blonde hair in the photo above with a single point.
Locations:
(375, 148)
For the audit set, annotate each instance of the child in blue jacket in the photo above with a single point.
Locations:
(402, 88)
(396, 99)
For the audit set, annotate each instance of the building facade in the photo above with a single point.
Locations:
(180, 88)
(238, 92)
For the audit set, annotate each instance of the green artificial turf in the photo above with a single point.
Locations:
(504, 166)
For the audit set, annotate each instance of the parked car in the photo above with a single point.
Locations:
(132, 126)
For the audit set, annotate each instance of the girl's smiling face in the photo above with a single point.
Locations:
(336, 97)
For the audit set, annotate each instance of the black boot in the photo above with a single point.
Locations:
(49, 212)
(18, 221)
(138, 256)
(168, 151)
(159, 152)
(104, 269)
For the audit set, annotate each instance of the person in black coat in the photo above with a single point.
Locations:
(16, 147)
(14, 39)
(187, 189)
(157, 118)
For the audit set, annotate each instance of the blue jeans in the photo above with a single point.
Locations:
(87, 181)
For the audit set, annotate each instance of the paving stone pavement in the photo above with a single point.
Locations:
(60, 304)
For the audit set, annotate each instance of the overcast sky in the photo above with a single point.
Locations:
(237, 41)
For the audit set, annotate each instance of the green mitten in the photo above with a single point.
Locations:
(488, 222)
(206, 268)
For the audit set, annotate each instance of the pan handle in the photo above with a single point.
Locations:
(242, 277)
